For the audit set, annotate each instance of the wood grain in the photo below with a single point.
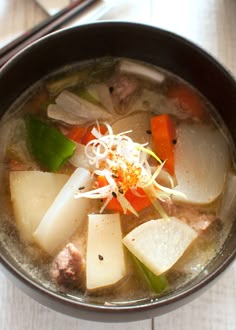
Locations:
(16, 17)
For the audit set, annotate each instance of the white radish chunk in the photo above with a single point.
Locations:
(138, 122)
(76, 105)
(158, 244)
(105, 264)
(79, 158)
(201, 163)
(32, 193)
(66, 214)
(141, 70)
(164, 178)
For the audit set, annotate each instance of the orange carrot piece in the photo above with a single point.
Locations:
(84, 134)
(138, 202)
(188, 100)
(164, 139)
(102, 181)
(76, 134)
(88, 136)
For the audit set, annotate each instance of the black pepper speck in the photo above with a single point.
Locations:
(114, 194)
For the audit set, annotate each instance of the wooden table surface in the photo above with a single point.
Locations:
(212, 25)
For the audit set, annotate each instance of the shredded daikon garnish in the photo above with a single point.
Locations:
(124, 165)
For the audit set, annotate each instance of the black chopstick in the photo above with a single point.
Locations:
(49, 25)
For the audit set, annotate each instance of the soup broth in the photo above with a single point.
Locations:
(117, 181)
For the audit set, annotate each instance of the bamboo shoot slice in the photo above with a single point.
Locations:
(56, 112)
(101, 93)
(105, 264)
(66, 214)
(158, 244)
(74, 104)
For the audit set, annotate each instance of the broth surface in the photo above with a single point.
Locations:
(133, 95)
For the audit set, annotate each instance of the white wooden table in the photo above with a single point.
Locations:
(212, 25)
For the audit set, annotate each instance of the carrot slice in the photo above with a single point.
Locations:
(164, 139)
(88, 136)
(188, 100)
(139, 201)
(84, 134)
(76, 134)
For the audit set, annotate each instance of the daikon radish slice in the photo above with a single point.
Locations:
(79, 158)
(201, 163)
(141, 70)
(105, 264)
(139, 123)
(66, 214)
(158, 244)
(32, 193)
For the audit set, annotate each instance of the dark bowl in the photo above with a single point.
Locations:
(151, 45)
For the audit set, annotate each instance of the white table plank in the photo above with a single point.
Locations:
(16, 17)
(20, 312)
(210, 24)
(215, 309)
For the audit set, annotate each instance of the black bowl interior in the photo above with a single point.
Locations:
(151, 45)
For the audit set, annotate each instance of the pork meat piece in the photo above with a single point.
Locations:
(68, 268)
(194, 217)
(123, 86)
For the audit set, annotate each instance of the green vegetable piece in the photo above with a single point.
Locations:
(51, 148)
(158, 283)
(57, 85)
(84, 93)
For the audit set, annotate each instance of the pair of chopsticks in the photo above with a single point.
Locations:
(49, 25)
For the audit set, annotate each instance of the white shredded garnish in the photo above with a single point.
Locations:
(124, 165)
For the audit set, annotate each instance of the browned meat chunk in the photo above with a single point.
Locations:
(68, 268)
